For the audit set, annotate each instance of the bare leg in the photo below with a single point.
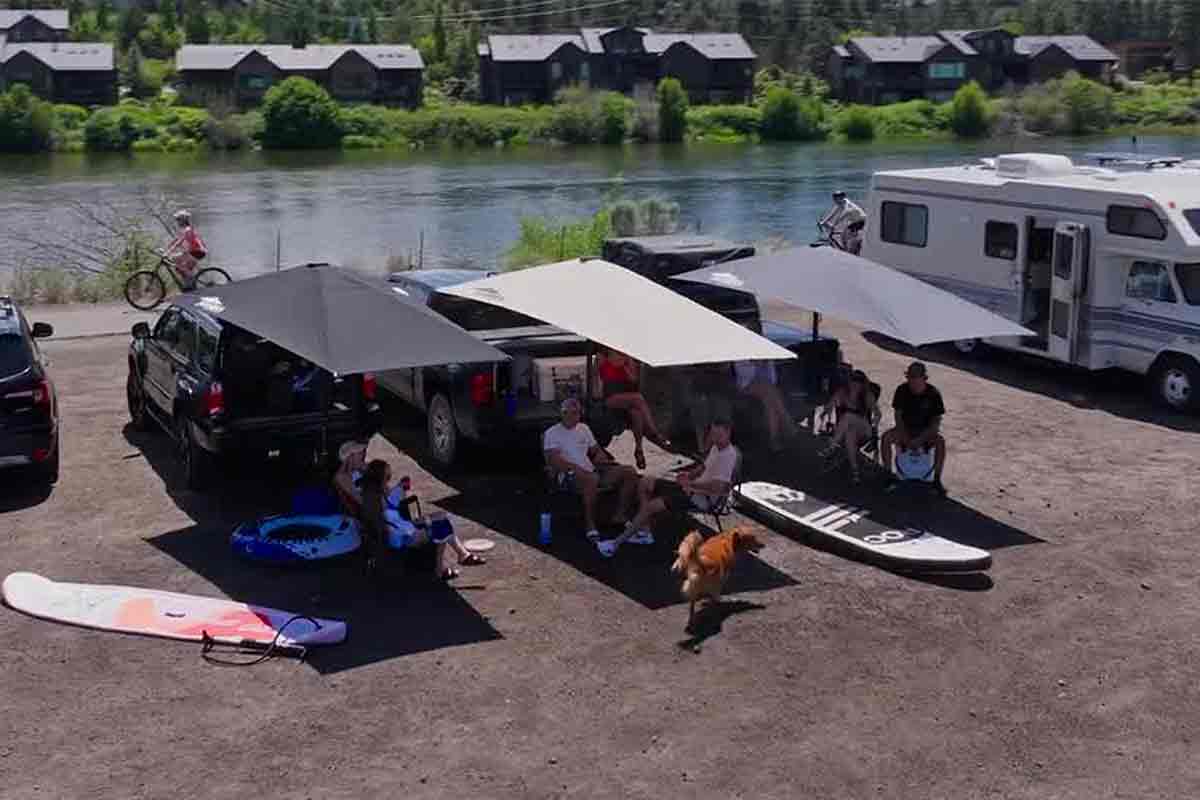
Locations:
(939, 456)
(629, 491)
(588, 484)
(886, 444)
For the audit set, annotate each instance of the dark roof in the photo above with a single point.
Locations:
(313, 58)
(57, 18)
(518, 47)
(65, 56)
(898, 49)
(1080, 48)
(714, 46)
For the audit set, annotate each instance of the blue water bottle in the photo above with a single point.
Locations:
(544, 529)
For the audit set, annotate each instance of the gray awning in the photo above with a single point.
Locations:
(340, 320)
(853, 289)
(620, 309)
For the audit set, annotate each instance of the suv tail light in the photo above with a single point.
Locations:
(481, 388)
(42, 396)
(214, 399)
(370, 386)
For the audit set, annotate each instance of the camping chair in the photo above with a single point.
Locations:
(723, 506)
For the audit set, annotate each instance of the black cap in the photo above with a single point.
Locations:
(916, 370)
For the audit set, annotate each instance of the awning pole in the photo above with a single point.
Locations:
(816, 325)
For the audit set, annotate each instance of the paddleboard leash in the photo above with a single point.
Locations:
(262, 650)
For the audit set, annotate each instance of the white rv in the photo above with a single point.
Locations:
(1103, 264)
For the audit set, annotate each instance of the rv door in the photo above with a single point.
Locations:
(1068, 279)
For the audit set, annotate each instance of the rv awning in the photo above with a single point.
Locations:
(620, 309)
(853, 289)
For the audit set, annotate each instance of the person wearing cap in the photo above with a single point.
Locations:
(919, 410)
(576, 459)
(697, 488)
(187, 248)
(857, 414)
(845, 219)
(347, 481)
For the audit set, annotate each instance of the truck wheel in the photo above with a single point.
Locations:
(1176, 382)
(968, 347)
(136, 399)
(442, 431)
(192, 457)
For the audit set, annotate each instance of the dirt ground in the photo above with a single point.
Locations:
(1069, 670)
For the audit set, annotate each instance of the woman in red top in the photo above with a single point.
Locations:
(186, 249)
(619, 376)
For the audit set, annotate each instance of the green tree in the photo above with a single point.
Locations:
(372, 26)
(129, 25)
(786, 117)
(439, 34)
(103, 12)
(298, 113)
(1185, 30)
(167, 15)
(1088, 105)
(672, 110)
(25, 121)
(969, 114)
(195, 23)
(303, 24)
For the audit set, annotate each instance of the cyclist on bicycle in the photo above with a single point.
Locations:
(845, 221)
(186, 250)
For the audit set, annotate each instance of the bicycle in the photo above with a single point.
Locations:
(829, 238)
(146, 289)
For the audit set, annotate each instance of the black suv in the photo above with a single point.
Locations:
(222, 391)
(28, 405)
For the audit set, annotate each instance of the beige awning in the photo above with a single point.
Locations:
(620, 309)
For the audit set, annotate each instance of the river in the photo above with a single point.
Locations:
(359, 208)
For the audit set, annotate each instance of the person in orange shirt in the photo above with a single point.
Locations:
(186, 250)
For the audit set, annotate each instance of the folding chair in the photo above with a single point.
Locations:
(723, 506)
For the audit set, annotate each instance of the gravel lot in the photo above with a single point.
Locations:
(1070, 670)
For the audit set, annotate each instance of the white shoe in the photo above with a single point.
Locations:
(593, 535)
(641, 537)
(607, 548)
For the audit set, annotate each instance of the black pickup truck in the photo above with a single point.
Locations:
(221, 391)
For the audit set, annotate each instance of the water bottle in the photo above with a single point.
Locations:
(544, 529)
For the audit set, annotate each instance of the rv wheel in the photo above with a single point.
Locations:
(968, 347)
(1177, 383)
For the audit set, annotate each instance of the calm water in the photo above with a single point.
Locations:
(360, 208)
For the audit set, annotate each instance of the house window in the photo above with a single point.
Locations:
(1132, 221)
(556, 71)
(1189, 281)
(255, 82)
(1000, 240)
(585, 72)
(905, 223)
(947, 70)
(1150, 280)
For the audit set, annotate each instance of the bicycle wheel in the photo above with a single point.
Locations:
(212, 276)
(145, 290)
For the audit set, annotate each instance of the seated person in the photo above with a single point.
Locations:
(573, 455)
(857, 414)
(759, 379)
(620, 379)
(352, 458)
(383, 526)
(698, 488)
(919, 409)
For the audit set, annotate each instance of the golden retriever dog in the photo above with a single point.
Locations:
(706, 565)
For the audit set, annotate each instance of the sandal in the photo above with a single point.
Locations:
(450, 573)
(472, 560)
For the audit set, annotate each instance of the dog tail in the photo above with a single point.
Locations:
(687, 559)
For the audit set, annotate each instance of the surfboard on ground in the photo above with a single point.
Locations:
(910, 548)
(149, 612)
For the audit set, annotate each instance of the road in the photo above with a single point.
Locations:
(1068, 671)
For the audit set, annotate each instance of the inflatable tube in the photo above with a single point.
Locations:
(293, 538)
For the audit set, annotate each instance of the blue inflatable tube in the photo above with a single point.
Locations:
(293, 538)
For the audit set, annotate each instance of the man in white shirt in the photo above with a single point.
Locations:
(698, 488)
(845, 219)
(575, 458)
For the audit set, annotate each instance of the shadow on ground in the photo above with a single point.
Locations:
(398, 614)
(23, 489)
(709, 619)
(1117, 392)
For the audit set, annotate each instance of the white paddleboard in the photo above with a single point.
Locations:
(850, 525)
(165, 614)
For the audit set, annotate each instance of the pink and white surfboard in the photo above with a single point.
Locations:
(165, 614)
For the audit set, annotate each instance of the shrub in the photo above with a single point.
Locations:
(225, 133)
(1089, 105)
(672, 110)
(614, 118)
(546, 241)
(25, 121)
(68, 117)
(969, 115)
(787, 117)
(724, 123)
(857, 123)
(298, 113)
(116, 129)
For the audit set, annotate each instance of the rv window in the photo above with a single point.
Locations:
(1064, 252)
(1189, 281)
(904, 223)
(1000, 240)
(1140, 222)
(1150, 280)
(1193, 216)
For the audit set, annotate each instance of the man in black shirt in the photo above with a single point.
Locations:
(919, 411)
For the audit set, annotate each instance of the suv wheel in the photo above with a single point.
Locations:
(442, 431)
(136, 399)
(48, 470)
(1176, 382)
(192, 457)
